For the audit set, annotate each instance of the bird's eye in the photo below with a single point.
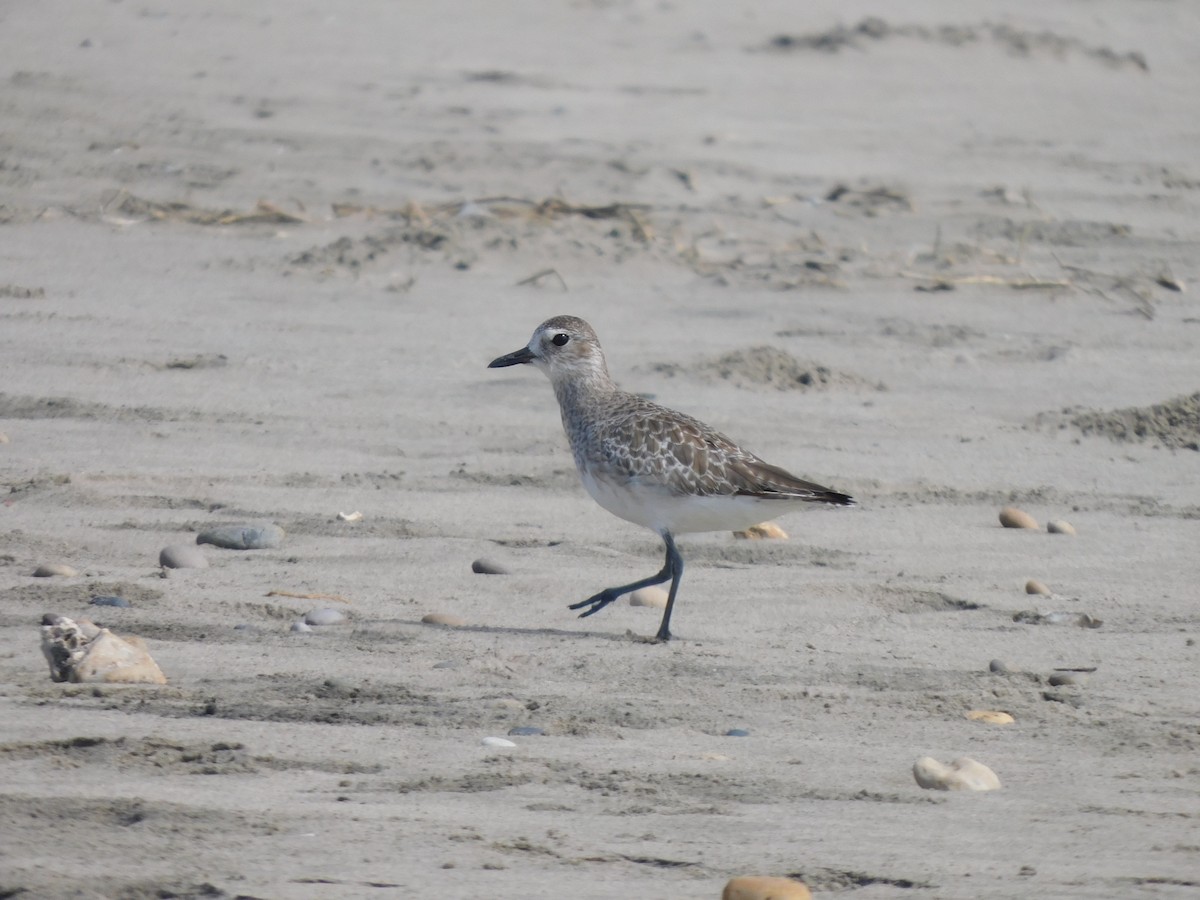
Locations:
(560, 339)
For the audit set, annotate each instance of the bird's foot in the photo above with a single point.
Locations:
(596, 602)
(647, 639)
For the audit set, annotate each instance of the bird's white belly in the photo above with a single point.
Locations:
(653, 506)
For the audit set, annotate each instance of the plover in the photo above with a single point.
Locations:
(651, 465)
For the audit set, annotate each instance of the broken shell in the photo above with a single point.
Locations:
(1011, 517)
(82, 654)
(355, 516)
(964, 774)
(765, 530)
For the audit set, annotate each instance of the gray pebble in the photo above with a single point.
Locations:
(242, 537)
(447, 664)
(182, 556)
(110, 601)
(488, 567)
(51, 570)
(301, 627)
(1000, 667)
(324, 616)
(737, 732)
(526, 729)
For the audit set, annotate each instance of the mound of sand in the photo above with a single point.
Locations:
(768, 368)
(1174, 424)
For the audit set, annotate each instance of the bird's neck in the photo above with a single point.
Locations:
(581, 389)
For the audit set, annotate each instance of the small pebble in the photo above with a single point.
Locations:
(649, 596)
(110, 601)
(1062, 679)
(762, 887)
(526, 729)
(1058, 526)
(301, 627)
(1033, 586)
(242, 537)
(990, 716)
(964, 774)
(497, 742)
(508, 703)
(1000, 667)
(1011, 517)
(324, 616)
(737, 732)
(3, 438)
(182, 556)
(488, 567)
(763, 531)
(53, 570)
(444, 619)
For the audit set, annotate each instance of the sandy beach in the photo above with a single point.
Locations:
(943, 257)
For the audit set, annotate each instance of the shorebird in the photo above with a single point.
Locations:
(651, 465)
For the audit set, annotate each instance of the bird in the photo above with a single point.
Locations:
(650, 465)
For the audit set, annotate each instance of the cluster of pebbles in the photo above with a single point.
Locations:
(82, 652)
(1011, 517)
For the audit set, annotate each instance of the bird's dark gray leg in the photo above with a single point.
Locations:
(670, 571)
(675, 564)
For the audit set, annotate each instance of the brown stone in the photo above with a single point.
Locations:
(444, 619)
(54, 570)
(763, 531)
(763, 887)
(1011, 517)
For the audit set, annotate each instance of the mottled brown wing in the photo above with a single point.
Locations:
(653, 444)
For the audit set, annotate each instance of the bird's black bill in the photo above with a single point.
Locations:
(512, 359)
